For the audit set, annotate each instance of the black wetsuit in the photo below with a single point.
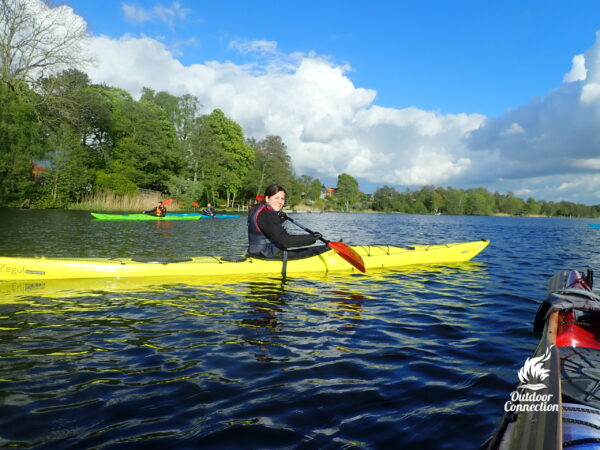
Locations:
(268, 238)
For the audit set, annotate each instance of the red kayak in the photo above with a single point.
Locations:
(557, 403)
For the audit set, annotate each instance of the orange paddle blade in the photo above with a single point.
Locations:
(348, 253)
(195, 204)
(167, 202)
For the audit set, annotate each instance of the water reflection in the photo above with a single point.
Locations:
(144, 357)
(164, 225)
(265, 301)
(353, 288)
(349, 304)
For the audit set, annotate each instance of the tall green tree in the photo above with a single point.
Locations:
(314, 192)
(566, 209)
(205, 155)
(225, 158)
(532, 207)
(509, 204)
(272, 164)
(347, 191)
(20, 143)
(183, 113)
(479, 202)
(430, 198)
(145, 148)
(70, 100)
(383, 199)
(69, 176)
(454, 201)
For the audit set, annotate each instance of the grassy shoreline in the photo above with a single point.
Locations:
(109, 202)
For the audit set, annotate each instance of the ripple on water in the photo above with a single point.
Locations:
(420, 357)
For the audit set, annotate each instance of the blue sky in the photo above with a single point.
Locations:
(454, 56)
(450, 93)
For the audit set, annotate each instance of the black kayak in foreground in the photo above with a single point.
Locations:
(557, 403)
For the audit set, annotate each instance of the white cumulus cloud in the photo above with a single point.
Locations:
(556, 145)
(331, 126)
(578, 71)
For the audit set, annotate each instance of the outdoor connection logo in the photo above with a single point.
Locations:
(526, 397)
(533, 369)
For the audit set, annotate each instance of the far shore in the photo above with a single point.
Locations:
(110, 203)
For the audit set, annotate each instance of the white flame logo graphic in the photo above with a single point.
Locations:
(533, 368)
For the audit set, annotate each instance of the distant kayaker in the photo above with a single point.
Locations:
(267, 236)
(159, 210)
(209, 211)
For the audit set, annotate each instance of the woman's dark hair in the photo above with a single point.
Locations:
(274, 189)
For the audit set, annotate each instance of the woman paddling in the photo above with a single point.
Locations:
(268, 238)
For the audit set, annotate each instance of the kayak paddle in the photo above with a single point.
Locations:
(344, 250)
(167, 202)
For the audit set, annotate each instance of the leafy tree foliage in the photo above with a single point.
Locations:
(115, 183)
(314, 193)
(223, 155)
(309, 188)
(347, 191)
(68, 176)
(532, 207)
(144, 149)
(272, 164)
(181, 111)
(478, 201)
(20, 144)
(185, 189)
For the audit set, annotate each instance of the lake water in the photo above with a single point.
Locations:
(419, 357)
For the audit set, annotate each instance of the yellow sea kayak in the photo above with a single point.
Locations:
(374, 257)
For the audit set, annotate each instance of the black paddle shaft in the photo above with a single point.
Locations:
(305, 229)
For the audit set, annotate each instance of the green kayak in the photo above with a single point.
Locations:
(169, 216)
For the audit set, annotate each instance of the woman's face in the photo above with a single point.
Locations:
(276, 201)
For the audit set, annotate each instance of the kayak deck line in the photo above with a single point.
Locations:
(374, 257)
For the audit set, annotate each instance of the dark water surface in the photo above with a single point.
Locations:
(420, 357)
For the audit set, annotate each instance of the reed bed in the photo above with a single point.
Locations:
(110, 202)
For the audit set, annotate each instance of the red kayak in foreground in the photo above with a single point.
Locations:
(557, 403)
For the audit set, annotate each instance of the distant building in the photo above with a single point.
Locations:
(37, 170)
(327, 191)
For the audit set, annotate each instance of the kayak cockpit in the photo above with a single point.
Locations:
(557, 404)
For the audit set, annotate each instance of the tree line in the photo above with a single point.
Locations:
(91, 138)
(477, 201)
(63, 138)
(96, 138)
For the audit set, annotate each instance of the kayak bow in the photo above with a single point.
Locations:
(557, 403)
(375, 257)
